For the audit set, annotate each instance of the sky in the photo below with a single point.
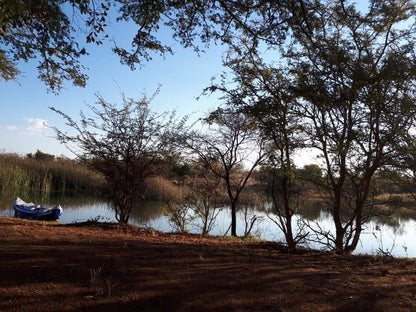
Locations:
(25, 103)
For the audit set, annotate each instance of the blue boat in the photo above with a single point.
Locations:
(35, 212)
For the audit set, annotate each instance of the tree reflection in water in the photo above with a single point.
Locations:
(395, 233)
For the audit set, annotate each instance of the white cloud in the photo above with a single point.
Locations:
(31, 126)
(9, 127)
(35, 126)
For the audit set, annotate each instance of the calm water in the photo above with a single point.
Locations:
(396, 235)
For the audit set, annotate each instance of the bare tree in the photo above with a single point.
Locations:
(125, 143)
(198, 203)
(206, 197)
(178, 212)
(232, 151)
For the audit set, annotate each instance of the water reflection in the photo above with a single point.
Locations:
(394, 234)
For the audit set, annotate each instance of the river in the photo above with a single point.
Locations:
(395, 235)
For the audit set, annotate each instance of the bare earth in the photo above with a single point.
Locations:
(102, 267)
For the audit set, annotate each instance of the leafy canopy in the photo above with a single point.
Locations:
(56, 32)
(47, 30)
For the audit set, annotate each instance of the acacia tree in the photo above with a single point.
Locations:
(263, 92)
(47, 30)
(56, 32)
(355, 78)
(195, 24)
(230, 146)
(125, 143)
(403, 164)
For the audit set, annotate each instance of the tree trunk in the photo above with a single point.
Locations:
(291, 245)
(339, 230)
(205, 222)
(358, 222)
(233, 219)
(288, 215)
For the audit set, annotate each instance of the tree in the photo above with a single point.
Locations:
(39, 155)
(229, 147)
(56, 32)
(311, 173)
(206, 197)
(350, 82)
(48, 30)
(355, 79)
(263, 92)
(401, 175)
(199, 202)
(197, 23)
(177, 210)
(126, 144)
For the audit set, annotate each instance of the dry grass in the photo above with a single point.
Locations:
(28, 177)
(162, 188)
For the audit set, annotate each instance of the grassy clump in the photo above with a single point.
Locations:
(41, 178)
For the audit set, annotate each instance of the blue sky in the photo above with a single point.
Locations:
(183, 76)
(25, 103)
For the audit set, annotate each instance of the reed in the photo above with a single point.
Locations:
(28, 177)
(160, 188)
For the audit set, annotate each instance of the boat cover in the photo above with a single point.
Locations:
(30, 210)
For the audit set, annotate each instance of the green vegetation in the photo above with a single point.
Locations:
(42, 175)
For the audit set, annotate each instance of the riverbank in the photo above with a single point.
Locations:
(102, 267)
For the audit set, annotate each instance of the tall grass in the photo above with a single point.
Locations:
(28, 177)
(160, 188)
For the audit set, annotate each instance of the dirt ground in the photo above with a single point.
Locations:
(102, 267)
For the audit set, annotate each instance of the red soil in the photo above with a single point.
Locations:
(102, 267)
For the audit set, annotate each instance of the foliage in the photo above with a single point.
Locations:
(355, 82)
(56, 31)
(311, 173)
(176, 206)
(177, 210)
(198, 202)
(47, 30)
(285, 190)
(263, 92)
(251, 201)
(126, 144)
(344, 86)
(341, 81)
(29, 177)
(197, 23)
(39, 155)
(231, 145)
(402, 173)
(160, 187)
(182, 171)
